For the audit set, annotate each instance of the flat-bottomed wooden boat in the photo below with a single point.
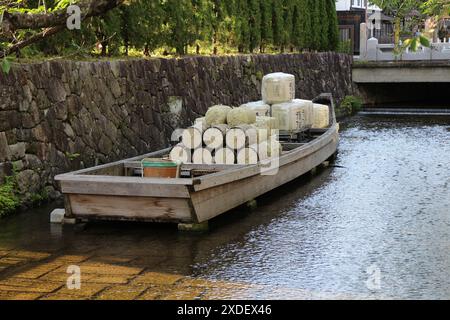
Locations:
(114, 192)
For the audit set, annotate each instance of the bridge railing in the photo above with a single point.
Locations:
(371, 50)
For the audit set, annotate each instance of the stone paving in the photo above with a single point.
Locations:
(28, 275)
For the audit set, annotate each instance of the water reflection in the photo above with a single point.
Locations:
(385, 205)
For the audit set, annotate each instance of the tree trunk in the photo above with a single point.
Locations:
(397, 31)
(104, 44)
(146, 51)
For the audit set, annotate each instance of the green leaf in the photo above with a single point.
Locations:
(6, 65)
(407, 43)
(414, 45)
(424, 41)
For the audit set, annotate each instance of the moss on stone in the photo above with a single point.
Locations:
(259, 75)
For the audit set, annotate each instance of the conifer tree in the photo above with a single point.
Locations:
(242, 26)
(254, 18)
(315, 23)
(277, 22)
(333, 30)
(266, 24)
(323, 25)
(179, 25)
(288, 8)
(306, 33)
(297, 25)
(203, 22)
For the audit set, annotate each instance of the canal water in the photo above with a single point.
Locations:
(374, 225)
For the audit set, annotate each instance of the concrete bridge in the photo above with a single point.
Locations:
(421, 77)
(404, 82)
(402, 72)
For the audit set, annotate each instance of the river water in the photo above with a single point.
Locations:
(374, 225)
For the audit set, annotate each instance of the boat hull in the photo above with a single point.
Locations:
(95, 197)
(110, 192)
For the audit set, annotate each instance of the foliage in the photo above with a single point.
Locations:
(5, 65)
(177, 26)
(411, 11)
(40, 198)
(414, 42)
(345, 47)
(333, 30)
(351, 105)
(72, 156)
(9, 202)
(437, 8)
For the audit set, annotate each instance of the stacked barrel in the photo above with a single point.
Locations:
(248, 134)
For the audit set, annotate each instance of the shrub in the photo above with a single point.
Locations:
(351, 105)
(9, 202)
(345, 47)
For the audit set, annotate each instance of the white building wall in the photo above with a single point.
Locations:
(343, 5)
(346, 5)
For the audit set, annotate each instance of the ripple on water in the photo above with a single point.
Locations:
(387, 206)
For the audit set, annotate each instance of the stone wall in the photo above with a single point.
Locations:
(63, 115)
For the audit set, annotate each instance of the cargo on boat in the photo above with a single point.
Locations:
(199, 192)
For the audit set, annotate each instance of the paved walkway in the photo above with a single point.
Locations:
(27, 275)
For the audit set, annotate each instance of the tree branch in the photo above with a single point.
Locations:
(52, 22)
(33, 39)
(16, 21)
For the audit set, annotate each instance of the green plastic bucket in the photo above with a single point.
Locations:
(159, 168)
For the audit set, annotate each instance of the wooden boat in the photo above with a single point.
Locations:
(113, 192)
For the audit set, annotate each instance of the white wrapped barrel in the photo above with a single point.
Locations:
(321, 116)
(241, 136)
(202, 156)
(214, 137)
(278, 88)
(201, 123)
(308, 105)
(181, 154)
(217, 115)
(269, 123)
(265, 127)
(240, 116)
(225, 156)
(247, 156)
(192, 138)
(260, 108)
(291, 116)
